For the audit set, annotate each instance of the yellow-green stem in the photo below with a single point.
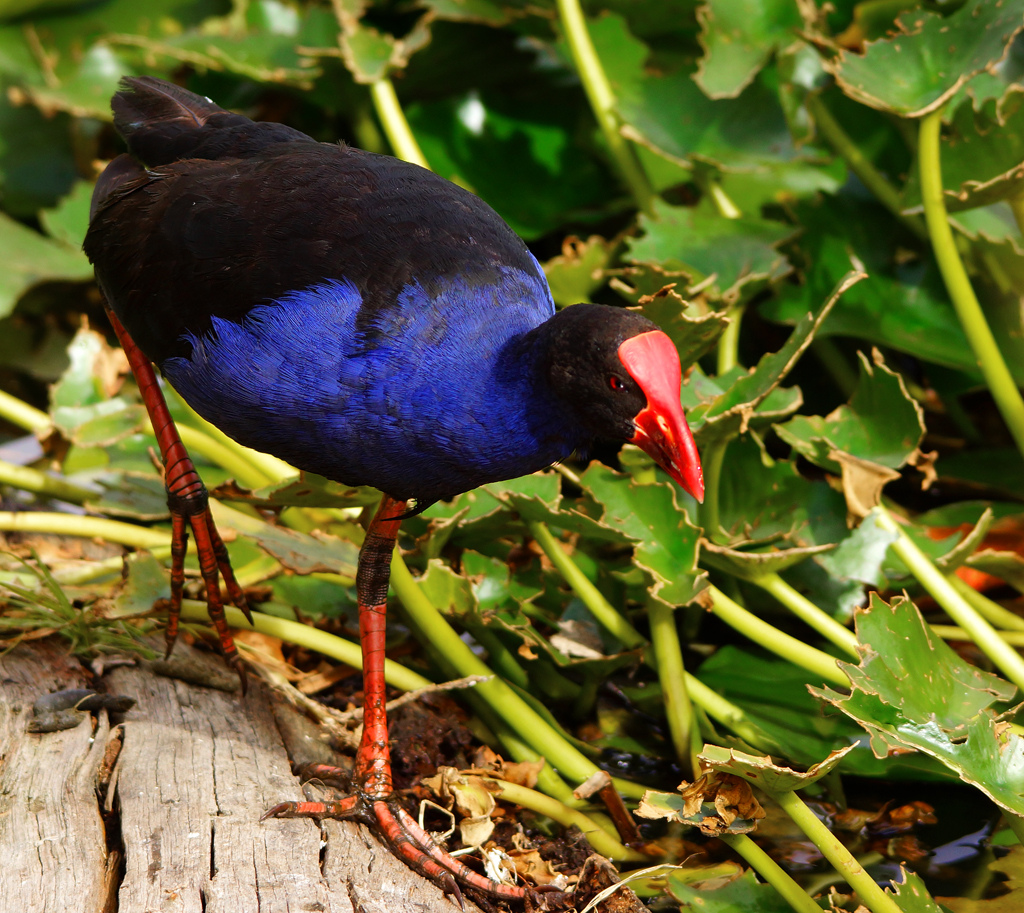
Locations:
(771, 872)
(953, 632)
(729, 343)
(1006, 659)
(602, 610)
(713, 460)
(832, 848)
(602, 102)
(983, 343)
(778, 642)
(861, 165)
(992, 611)
(599, 839)
(1017, 207)
(809, 613)
(669, 657)
(197, 441)
(727, 713)
(344, 651)
(42, 483)
(22, 414)
(397, 128)
(90, 527)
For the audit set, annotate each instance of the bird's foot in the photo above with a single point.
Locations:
(192, 510)
(413, 845)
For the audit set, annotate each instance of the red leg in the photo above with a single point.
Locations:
(374, 798)
(189, 506)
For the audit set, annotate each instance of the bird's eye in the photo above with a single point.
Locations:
(615, 382)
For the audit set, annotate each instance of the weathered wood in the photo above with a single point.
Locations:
(52, 841)
(196, 769)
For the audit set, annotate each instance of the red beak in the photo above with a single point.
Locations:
(661, 430)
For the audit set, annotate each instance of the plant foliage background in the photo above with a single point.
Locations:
(761, 180)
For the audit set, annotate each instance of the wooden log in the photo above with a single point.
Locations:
(52, 837)
(196, 768)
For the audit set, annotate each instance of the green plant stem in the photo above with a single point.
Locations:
(871, 895)
(671, 672)
(602, 610)
(89, 527)
(532, 727)
(727, 713)
(713, 460)
(23, 415)
(1006, 659)
(42, 483)
(771, 872)
(991, 611)
(861, 165)
(599, 838)
(95, 570)
(602, 102)
(952, 632)
(344, 651)
(397, 128)
(727, 353)
(809, 613)
(778, 642)
(986, 351)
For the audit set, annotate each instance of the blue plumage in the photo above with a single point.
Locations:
(438, 396)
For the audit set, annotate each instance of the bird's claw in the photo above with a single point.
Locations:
(411, 843)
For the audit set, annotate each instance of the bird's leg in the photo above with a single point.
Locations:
(188, 502)
(374, 800)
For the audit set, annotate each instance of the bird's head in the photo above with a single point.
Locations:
(622, 377)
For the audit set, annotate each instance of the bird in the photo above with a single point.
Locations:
(364, 319)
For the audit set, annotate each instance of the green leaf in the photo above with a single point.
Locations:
(576, 273)
(750, 565)
(745, 893)
(764, 773)
(882, 423)
(701, 242)
(921, 69)
(904, 306)
(306, 490)
(738, 37)
(912, 691)
(1012, 866)
(30, 259)
(982, 156)
(298, 552)
(671, 116)
(736, 410)
(69, 221)
(666, 541)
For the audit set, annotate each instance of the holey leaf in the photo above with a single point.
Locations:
(717, 803)
(918, 71)
(865, 441)
(911, 691)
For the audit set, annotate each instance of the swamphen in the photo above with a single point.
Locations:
(363, 319)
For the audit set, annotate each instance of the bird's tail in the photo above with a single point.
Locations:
(163, 123)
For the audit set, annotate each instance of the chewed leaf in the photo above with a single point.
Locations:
(745, 893)
(754, 564)
(766, 774)
(911, 668)
(717, 803)
(919, 70)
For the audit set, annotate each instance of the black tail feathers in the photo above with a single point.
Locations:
(163, 123)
